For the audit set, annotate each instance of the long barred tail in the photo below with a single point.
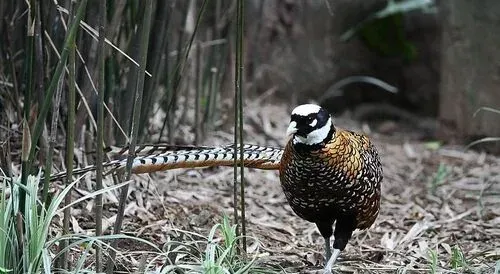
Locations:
(163, 157)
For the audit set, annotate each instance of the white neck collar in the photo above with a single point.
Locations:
(316, 136)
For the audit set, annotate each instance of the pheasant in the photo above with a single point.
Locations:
(329, 175)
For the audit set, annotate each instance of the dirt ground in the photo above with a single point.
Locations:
(439, 203)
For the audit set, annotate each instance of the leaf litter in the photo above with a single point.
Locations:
(436, 199)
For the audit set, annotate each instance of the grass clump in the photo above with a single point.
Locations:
(222, 256)
(439, 178)
(457, 258)
(433, 261)
(28, 242)
(213, 254)
(23, 247)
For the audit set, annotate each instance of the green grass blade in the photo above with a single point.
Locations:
(81, 261)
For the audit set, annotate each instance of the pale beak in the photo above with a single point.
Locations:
(292, 128)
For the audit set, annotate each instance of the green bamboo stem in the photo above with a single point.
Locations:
(29, 59)
(70, 38)
(25, 165)
(26, 146)
(50, 153)
(239, 94)
(162, 23)
(100, 127)
(143, 50)
(179, 70)
(70, 142)
(197, 95)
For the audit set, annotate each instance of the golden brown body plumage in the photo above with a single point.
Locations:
(341, 178)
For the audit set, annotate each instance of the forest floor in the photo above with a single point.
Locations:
(440, 209)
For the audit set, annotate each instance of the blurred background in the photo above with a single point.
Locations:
(422, 66)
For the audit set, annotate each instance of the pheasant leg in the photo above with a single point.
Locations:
(331, 261)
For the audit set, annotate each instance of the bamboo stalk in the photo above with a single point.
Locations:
(143, 50)
(25, 165)
(26, 146)
(239, 113)
(52, 140)
(182, 61)
(70, 143)
(39, 85)
(100, 127)
(174, 87)
(70, 38)
(212, 98)
(62, 263)
(29, 58)
(197, 95)
(157, 59)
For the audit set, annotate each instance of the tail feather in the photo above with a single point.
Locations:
(253, 157)
(163, 157)
(145, 150)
